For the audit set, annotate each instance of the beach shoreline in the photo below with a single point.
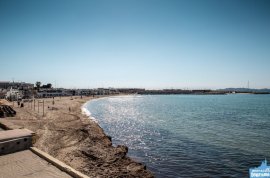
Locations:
(68, 134)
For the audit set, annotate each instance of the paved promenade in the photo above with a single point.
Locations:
(27, 164)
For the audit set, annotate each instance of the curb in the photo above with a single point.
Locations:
(60, 165)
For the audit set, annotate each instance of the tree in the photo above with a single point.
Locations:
(38, 84)
(46, 86)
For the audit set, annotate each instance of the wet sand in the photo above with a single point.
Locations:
(70, 136)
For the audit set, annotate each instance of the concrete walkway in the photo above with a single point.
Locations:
(19, 159)
(27, 164)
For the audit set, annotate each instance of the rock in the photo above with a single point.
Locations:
(135, 167)
(89, 155)
(123, 148)
(109, 137)
(121, 151)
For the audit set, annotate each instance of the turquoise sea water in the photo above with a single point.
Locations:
(189, 135)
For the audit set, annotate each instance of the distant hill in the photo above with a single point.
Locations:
(246, 90)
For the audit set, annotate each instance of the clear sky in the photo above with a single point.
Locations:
(136, 43)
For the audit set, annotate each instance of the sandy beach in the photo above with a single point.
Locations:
(70, 136)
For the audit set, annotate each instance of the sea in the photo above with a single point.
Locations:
(189, 135)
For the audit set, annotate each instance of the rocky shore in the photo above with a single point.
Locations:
(70, 136)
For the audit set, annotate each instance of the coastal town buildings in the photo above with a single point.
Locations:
(47, 93)
(3, 93)
(17, 90)
(4, 84)
(15, 85)
(14, 94)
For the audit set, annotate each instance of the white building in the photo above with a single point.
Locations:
(13, 94)
(48, 93)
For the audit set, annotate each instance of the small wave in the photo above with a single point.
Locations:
(86, 112)
(93, 119)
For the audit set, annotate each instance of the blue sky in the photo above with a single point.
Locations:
(136, 43)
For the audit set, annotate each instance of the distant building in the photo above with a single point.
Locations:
(16, 85)
(48, 93)
(3, 93)
(103, 91)
(131, 90)
(14, 94)
(4, 84)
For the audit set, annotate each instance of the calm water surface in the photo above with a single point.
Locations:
(189, 135)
